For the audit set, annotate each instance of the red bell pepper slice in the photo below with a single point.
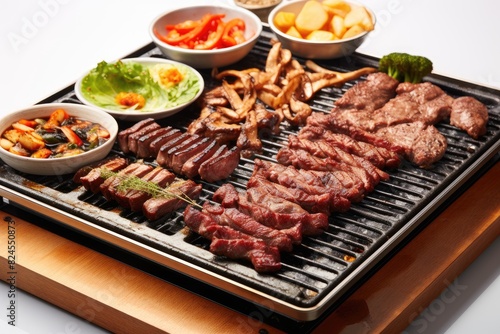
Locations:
(233, 32)
(199, 30)
(214, 35)
(183, 27)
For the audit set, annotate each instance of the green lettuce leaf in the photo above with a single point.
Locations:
(104, 82)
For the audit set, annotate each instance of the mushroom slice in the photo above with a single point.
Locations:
(248, 140)
(296, 112)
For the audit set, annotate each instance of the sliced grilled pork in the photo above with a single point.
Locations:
(470, 115)
(124, 134)
(220, 166)
(93, 180)
(157, 207)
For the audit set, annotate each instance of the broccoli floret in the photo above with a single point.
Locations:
(405, 67)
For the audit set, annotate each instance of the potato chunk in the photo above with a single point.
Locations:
(311, 17)
(284, 20)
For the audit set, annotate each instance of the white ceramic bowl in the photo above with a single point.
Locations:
(261, 10)
(65, 165)
(136, 115)
(315, 49)
(207, 58)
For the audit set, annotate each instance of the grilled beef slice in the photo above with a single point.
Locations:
(162, 154)
(185, 152)
(124, 134)
(370, 94)
(134, 199)
(423, 144)
(378, 156)
(309, 181)
(158, 142)
(234, 218)
(433, 103)
(258, 206)
(110, 189)
(134, 137)
(143, 150)
(470, 115)
(157, 207)
(312, 203)
(219, 167)
(231, 243)
(303, 159)
(93, 180)
(192, 165)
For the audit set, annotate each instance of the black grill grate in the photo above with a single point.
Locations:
(315, 268)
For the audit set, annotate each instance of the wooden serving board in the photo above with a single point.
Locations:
(124, 299)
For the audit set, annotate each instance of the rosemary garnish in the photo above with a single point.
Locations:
(132, 182)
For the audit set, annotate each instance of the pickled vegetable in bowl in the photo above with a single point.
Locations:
(56, 138)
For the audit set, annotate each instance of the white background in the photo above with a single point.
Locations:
(45, 45)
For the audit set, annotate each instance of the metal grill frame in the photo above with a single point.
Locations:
(321, 270)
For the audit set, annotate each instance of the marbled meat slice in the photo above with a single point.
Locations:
(231, 243)
(424, 145)
(378, 156)
(311, 182)
(433, 103)
(239, 221)
(370, 94)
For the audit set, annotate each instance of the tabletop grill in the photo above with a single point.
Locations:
(320, 270)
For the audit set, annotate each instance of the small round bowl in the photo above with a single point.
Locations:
(206, 58)
(261, 8)
(64, 165)
(315, 49)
